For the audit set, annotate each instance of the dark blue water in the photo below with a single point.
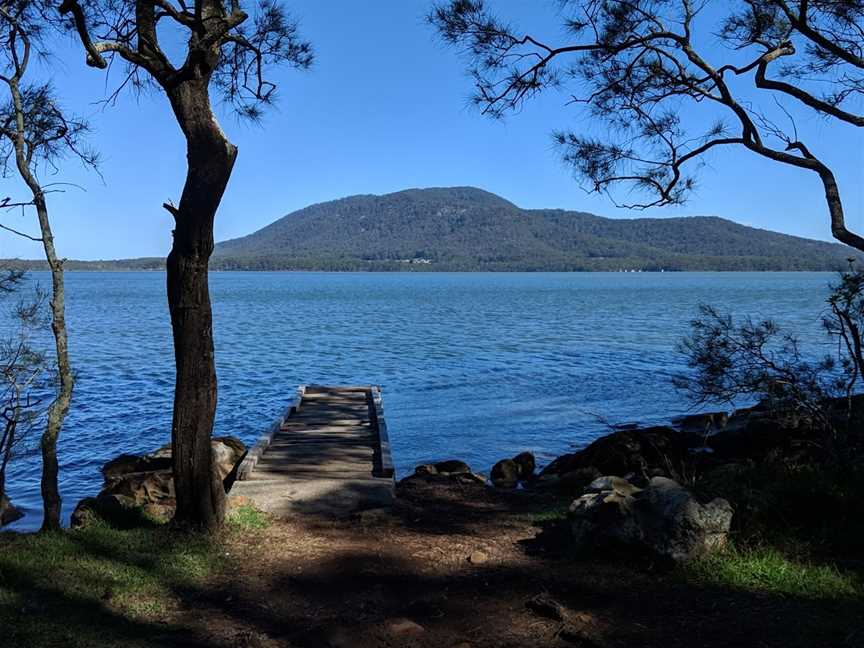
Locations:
(475, 366)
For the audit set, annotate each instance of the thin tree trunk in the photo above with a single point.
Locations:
(210, 156)
(60, 405)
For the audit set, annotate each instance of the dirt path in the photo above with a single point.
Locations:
(457, 567)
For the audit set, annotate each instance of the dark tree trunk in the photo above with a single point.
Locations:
(210, 156)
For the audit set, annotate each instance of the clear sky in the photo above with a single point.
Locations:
(383, 108)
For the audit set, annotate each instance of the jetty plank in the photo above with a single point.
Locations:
(327, 455)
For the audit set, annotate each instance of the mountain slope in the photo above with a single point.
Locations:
(463, 228)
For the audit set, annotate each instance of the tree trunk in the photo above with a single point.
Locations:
(210, 156)
(60, 405)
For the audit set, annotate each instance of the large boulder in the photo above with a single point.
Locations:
(505, 474)
(141, 488)
(9, 513)
(639, 454)
(663, 519)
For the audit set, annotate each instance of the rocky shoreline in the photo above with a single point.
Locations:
(647, 491)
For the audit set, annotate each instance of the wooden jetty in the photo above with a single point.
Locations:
(327, 455)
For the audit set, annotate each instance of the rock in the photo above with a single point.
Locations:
(84, 513)
(702, 423)
(477, 558)
(140, 489)
(505, 474)
(663, 519)
(545, 606)
(403, 628)
(569, 483)
(452, 467)
(676, 525)
(643, 453)
(9, 513)
(118, 510)
(526, 463)
(610, 483)
(143, 487)
(228, 452)
(125, 464)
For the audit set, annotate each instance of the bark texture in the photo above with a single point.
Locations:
(210, 156)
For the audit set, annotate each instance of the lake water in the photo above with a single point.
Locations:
(474, 366)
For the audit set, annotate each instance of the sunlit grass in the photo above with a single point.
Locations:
(767, 570)
(247, 518)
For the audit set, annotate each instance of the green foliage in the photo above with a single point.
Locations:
(812, 508)
(768, 571)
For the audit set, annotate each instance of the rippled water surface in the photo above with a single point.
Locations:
(475, 366)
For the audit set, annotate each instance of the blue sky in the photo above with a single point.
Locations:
(384, 108)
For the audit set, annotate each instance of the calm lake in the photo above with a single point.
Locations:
(474, 366)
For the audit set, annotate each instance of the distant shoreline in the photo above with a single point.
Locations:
(158, 265)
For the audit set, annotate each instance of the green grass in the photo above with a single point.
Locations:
(247, 518)
(767, 570)
(554, 514)
(101, 586)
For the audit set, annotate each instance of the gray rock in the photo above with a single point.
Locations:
(676, 525)
(611, 483)
(140, 489)
(664, 519)
(505, 474)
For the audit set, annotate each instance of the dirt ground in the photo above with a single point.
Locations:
(461, 567)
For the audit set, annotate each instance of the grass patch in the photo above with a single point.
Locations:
(767, 570)
(557, 513)
(247, 518)
(98, 586)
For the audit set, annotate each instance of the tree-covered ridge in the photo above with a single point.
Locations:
(463, 228)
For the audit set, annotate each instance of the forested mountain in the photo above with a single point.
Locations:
(464, 228)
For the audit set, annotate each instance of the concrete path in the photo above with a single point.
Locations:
(328, 456)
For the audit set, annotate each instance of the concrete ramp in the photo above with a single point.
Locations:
(328, 455)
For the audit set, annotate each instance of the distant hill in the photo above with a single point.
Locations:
(463, 228)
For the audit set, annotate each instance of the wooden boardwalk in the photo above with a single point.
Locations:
(327, 455)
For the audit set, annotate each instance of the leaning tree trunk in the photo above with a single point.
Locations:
(60, 405)
(210, 157)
